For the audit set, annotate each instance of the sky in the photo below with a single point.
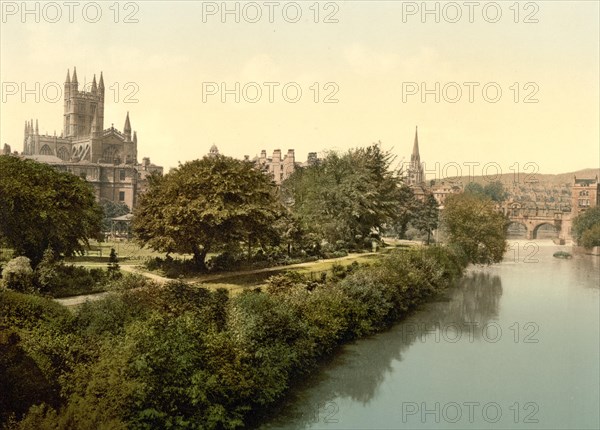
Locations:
(490, 85)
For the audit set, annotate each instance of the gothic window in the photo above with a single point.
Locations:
(110, 154)
(45, 150)
(63, 153)
(121, 174)
(121, 196)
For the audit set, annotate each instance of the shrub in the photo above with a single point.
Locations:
(18, 275)
(591, 237)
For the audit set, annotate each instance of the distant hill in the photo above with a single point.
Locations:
(525, 177)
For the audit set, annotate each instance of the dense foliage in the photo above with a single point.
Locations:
(184, 357)
(586, 228)
(493, 190)
(475, 227)
(347, 198)
(42, 207)
(207, 205)
(427, 216)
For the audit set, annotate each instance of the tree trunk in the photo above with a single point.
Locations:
(199, 257)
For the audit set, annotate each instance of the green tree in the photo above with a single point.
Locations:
(113, 264)
(474, 188)
(206, 205)
(406, 210)
(347, 196)
(583, 222)
(112, 210)
(495, 191)
(474, 226)
(42, 207)
(591, 237)
(426, 219)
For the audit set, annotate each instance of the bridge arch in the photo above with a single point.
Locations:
(518, 229)
(536, 228)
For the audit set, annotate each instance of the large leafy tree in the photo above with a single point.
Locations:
(407, 209)
(347, 196)
(206, 205)
(427, 215)
(474, 226)
(586, 227)
(43, 208)
(112, 210)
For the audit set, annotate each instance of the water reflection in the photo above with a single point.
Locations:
(359, 369)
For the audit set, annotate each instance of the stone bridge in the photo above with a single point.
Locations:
(533, 219)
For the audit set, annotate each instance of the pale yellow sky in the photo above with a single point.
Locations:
(372, 58)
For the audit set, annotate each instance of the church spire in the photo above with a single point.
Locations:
(127, 128)
(415, 153)
(416, 175)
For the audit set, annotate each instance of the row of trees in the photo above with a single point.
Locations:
(220, 204)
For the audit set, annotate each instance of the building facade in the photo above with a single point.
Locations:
(107, 158)
(280, 168)
(585, 193)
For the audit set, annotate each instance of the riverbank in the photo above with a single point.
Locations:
(511, 346)
(199, 356)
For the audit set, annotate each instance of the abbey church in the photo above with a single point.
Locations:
(107, 158)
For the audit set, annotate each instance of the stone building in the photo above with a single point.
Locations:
(443, 189)
(280, 168)
(585, 193)
(107, 158)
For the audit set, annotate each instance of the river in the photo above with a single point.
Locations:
(513, 345)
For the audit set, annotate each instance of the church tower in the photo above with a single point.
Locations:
(415, 170)
(81, 108)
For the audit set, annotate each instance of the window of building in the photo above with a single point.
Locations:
(122, 175)
(121, 196)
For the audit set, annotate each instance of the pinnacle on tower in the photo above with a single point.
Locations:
(94, 86)
(68, 79)
(101, 83)
(96, 124)
(127, 128)
(135, 137)
(36, 127)
(74, 80)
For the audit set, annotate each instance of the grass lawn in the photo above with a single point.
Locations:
(237, 282)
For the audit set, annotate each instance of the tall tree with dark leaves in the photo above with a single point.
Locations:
(43, 208)
(206, 205)
(474, 226)
(427, 216)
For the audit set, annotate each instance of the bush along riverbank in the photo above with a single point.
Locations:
(176, 356)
